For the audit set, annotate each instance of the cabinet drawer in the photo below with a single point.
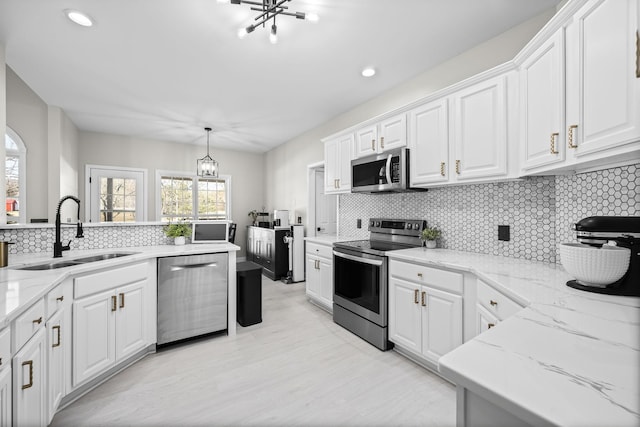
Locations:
(496, 302)
(105, 280)
(5, 347)
(28, 324)
(54, 300)
(434, 277)
(320, 250)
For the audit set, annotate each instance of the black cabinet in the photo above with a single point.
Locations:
(266, 247)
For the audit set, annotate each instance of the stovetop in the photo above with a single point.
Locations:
(371, 246)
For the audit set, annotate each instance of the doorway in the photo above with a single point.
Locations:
(323, 208)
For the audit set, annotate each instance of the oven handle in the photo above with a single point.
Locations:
(358, 259)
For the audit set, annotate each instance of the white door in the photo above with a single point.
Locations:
(484, 319)
(313, 277)
(29, 390)
(93, 335)
(429, 143)
(603, 91)
(367, 141)
(130, 320)
(441, 322)
(393, 133)
(542, 104)
(480, 130)
(5, 397)
(404, 314)
(57, 342)
(116, 195)
(325, 207)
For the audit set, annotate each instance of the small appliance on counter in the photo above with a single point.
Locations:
(280, 219)
(295, 241)
(264, 220)
(609, 251)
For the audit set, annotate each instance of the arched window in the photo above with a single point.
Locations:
(15, 173)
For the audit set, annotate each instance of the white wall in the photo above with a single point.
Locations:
(246, 169)
(286, 165)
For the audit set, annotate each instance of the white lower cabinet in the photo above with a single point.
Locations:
(29, 382)
(56, 346)
(5, 397)
(109, 325)
(319, 274)
(484, 319)
(425, 318)
(492, 306)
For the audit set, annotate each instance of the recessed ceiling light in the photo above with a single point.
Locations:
(368, 72)
(79, 18)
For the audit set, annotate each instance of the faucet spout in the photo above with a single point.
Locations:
(58, 247)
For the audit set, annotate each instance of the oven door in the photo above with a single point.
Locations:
(360, 284)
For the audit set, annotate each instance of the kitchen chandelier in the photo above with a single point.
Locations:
(269, 9)
(207, 167)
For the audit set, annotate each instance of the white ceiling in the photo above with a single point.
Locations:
(164, 69)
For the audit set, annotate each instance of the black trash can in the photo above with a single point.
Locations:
(249, 293)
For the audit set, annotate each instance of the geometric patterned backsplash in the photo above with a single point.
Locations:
(539, 210)
(41, 238)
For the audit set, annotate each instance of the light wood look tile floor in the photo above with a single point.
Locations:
(295, 368)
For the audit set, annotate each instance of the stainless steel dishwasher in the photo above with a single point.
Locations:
(192, 296)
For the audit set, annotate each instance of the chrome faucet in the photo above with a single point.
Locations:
(58, 248)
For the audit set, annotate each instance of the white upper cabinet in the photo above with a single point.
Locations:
(542, 108)
(385, 135)
(429, 143)
(480, 130)
(580, 91)
(337, 164)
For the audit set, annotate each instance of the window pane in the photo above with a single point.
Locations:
(176, 195)
(114, 205)
(212, 199)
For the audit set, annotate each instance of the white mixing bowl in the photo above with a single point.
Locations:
(594, 266)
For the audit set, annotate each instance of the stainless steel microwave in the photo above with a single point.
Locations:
(386, 172)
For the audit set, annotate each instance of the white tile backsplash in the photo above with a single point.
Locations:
(539, 210)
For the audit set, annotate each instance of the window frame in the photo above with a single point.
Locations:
(21, 153)
(194, 195)
(89, 205)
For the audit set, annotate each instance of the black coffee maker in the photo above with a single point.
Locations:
(625, 232)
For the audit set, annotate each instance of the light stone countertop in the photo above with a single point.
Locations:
(571, 358)
(327, 239)
(19, 289)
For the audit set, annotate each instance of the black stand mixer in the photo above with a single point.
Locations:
(625, 232)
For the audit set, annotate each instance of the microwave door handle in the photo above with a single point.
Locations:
(358, 259)
(388, 169)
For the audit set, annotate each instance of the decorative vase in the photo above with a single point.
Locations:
(180, 240)
(431, 244)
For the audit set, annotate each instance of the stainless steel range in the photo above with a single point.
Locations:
(360, 268)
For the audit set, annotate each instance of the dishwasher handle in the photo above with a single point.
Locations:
(190, 266)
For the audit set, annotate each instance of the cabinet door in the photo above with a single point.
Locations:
(367, 141)
(337, 164)
(480, 130)
(393, 133)
(542, 105)
(346, 150)
(29, 383)
(93, 335)
(429, 143)
(404, 314)
(484, 319)
(57, 343)
(326, 281)
(5, 397)
(130, 320)
(603, 91)
(313, 277)
(441, 322)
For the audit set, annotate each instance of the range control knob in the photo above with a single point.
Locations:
(371, 223)
(408, 226)
(416, 226)
(377, 223)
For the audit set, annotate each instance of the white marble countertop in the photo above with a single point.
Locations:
(327, 239)
(19, 289)
(571, 358)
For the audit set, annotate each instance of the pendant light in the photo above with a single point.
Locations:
(207, 167)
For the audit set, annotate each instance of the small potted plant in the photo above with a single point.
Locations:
(429, 235)
(254, 217)
(178, 230)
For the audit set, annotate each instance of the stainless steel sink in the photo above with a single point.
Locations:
(102, 257)
(51, 265)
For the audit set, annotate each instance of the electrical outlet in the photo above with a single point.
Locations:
(504, 233)
(358, 223)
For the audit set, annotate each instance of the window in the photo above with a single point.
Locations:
(116, 194)
(15, 169)
(188, 197)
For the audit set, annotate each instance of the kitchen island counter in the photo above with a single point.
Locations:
(569, 358)
(19, 289)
